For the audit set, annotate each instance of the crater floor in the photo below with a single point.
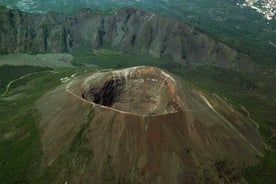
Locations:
(139, 90)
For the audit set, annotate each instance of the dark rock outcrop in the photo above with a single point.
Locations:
(128, 29)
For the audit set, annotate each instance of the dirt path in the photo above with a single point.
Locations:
(256, 124)
(13, 81)
(231, 126)
(229, 105)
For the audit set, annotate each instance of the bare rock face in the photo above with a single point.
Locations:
(141, 125)
(129, 30)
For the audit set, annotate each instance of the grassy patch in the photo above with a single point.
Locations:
(20, 154)
(20, 149)
(9, 73)
(104, 58)
(240, 88)
(252, 92)
(242, 28)
(3, 7)
(264, 173)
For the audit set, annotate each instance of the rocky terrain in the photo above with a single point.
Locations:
(128, 30)
(87, 137)
(143, 91)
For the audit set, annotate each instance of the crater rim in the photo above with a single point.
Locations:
(140, 90)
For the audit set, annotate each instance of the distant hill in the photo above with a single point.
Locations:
(127, 30)
(230, 21)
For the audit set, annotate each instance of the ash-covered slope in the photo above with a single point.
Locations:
(127, 29)
(93, 130)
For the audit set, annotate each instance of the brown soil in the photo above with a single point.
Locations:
(131, 140)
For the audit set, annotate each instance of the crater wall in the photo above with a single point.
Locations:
(139, 90)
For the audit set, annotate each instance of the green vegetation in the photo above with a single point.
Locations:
(239, 27)
(227, 172)
(104, 58)
(9, 73)
(108, 174)
(240, 88)
(64, 161)
(20, 149)
(2, 7)
(20, 154)
(251, 91)
(264, 173)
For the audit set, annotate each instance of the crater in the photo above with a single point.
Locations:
(138, 90)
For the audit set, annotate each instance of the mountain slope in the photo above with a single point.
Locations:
(232, 21)
(197, 139)
(128, 30)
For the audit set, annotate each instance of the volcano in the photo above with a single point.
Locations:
(143, 125)
(142, 91)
